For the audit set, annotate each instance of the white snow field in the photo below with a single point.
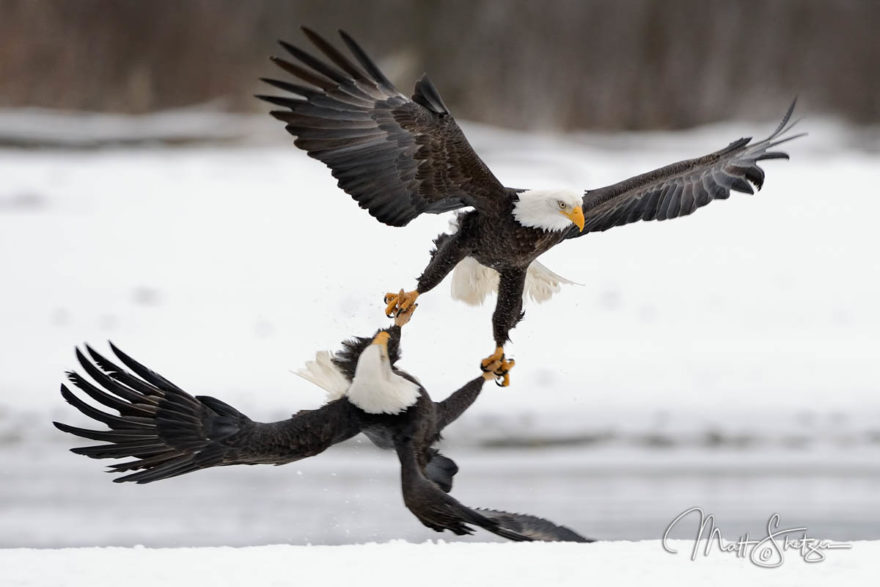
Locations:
(728, 359)
(400, 563)
(227, 267)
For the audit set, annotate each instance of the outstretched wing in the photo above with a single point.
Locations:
(169, 432)
(430, 503)
(396, 157)
(679, 189)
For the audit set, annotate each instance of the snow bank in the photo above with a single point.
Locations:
(400, 563)
(37, 127)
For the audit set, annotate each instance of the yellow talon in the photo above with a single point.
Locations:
(403, 317)
(498, 367)
(391, 303)
(502, 373)
(489, 370)
(495, 357)
(401, 302)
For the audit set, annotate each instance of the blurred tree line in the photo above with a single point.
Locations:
(565, 64)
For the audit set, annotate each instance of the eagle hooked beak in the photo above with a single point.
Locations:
(576, 216)
(381, 339)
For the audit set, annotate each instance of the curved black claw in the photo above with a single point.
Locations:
(499, 366)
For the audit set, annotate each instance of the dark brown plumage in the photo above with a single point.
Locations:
(401, 157)
(168, 432)
(396, 157)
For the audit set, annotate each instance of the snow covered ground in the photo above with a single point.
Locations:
(399, 563)
(727, 359)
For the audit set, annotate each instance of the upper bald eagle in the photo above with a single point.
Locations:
(169, 432)
(400, 157)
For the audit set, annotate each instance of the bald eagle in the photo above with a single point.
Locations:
(168, 432)
(400, 157)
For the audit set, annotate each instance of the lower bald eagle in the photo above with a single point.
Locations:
(168, 432)
(400, 157)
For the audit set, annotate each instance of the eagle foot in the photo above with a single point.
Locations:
(492, 359)
(403, 317)
(400, 303)
(502, 373)
(498, 367)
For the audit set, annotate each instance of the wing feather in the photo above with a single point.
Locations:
(528, 527)
(679, 189)
(396, 157)
(169, 432)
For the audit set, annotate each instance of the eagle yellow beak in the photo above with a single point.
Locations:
(381, 339)
(577, 217)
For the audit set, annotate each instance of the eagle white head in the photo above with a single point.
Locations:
(376, 388)
(549, 209)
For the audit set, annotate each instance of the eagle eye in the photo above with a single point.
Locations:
(561, 204)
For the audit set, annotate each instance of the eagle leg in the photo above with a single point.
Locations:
(400, 303)
(489, 362)
(498, 366)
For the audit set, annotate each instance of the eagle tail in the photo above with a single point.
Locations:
(166, 431)
(472, 282)
(324, 373)
(542, 283)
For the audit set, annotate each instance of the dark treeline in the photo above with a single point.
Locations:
(602, 64)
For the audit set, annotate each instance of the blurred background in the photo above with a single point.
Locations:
(727, 360)
(569, 64)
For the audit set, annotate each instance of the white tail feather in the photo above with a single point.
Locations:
(542, 283)
(473, 282)
(323, 373)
